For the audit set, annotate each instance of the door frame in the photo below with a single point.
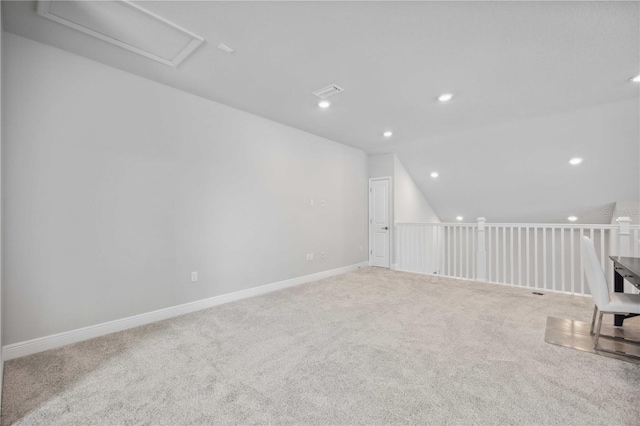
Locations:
(391, 218)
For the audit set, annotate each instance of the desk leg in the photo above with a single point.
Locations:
(618, 287)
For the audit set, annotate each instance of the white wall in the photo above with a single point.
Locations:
(1, 267)
(408, 202)
(410, 205)
(115, 188)
(381, 165)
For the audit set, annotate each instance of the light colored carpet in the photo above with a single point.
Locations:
(369, 347)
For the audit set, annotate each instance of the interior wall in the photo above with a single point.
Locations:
(410, 205)
(1, 226)
(381, 165)
(115, 188)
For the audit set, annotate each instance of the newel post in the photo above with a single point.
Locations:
(481, 255)
(623, 236)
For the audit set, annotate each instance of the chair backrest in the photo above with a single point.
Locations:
(594, 273)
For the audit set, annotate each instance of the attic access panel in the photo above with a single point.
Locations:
(125, 25)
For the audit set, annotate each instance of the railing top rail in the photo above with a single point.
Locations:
(519, 225)
(555, 225)
(434, 224)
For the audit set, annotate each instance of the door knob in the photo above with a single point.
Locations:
(386, 227)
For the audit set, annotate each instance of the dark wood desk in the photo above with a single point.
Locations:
(626, 268)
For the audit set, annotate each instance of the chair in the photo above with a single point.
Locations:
(605, 302)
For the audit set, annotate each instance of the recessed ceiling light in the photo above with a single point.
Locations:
(324, 104)
(434, 174)
(572, 218)
(459, 218)
(575, 161)
(445, 97)
(635, 79)
(388, 134)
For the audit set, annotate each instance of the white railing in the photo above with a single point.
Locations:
(436, 248)
(538, 256)
(541, 256)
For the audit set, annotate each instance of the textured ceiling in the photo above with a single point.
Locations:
(503, 61)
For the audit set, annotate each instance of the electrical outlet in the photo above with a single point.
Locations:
(323, 203)
(322, 254)
(309, 256)
(194, 277)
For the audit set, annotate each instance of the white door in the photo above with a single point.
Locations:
(379, 223)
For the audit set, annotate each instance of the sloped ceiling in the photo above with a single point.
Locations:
(520, 171)
(505, 62)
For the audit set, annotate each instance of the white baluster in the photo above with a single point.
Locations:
(535, 257)
(526, 230)
(572, 265)
(553, 259)
(581, 268)
(511, 274)
(466, 255)
(562, 268)
(519, 255)
(481, 255)
(504, 254)
(490, 254)
(544, 258)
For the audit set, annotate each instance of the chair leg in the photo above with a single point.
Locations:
(595, 342)
(593, 319)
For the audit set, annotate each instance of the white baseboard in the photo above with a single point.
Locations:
(1, 377)
(20, 349)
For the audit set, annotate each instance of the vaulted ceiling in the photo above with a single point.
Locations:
(505, 63)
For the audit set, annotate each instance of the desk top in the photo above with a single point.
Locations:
(632, 264)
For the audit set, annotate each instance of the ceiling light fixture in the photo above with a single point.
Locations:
(324, 104)
(459, 218)
(388, 134)
(575, 161)
(434, 174)
(635, 79)
(445, 97)
(572, 218)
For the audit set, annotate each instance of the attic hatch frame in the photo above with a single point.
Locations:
(44, 10)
